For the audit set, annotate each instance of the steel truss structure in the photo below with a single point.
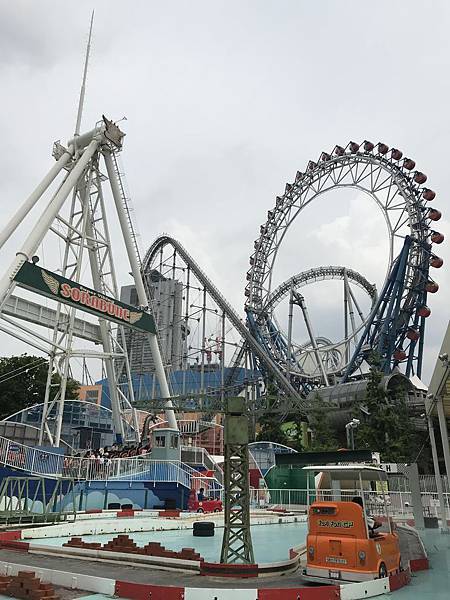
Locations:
(237, 541)
(26, 500)
(397, 322)
(220, 332)
(393, 326)
(76, 215)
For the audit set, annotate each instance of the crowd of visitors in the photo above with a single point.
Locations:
(116, 451)
(98, 461)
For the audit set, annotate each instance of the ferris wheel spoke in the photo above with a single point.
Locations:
(402, 220)
(364, 174)
(391, 194)
(375, 176)
(383, 184)
(323, 181)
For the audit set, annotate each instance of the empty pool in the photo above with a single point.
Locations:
(271, 543)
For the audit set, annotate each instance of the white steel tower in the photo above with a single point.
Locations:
(76, 212)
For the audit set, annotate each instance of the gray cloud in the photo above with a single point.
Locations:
(225, 101)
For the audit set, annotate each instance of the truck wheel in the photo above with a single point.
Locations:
(217, 510)
(382, 571)
(200, 510)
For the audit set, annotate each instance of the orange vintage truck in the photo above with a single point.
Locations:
(343, 543)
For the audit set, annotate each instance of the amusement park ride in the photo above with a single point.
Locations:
(262, 347)
(392, 328)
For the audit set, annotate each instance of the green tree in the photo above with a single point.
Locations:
(323, 434)
(274, 428)
(23, 380)
(293, 431)
(387, 427)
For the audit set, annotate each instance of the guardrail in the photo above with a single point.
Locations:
(200, 456)
(398, 503)
(58, 466)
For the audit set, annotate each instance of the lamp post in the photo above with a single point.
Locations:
(349, 430)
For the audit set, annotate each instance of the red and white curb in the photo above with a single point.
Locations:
(144, 591)
(355, 591)
(141, 591)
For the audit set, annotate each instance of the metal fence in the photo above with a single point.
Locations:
(399, 483)
(57, 466)
(399, 504)
(53, 465)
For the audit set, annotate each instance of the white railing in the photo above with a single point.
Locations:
(33, 460)
(55, 466)
(399, 483)
(200, 456)
(399, 504)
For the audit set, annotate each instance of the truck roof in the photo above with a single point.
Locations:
(363, 472)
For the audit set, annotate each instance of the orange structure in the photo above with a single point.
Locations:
(340, 544)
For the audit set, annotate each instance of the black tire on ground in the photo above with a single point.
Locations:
(217, 510)
(382, 571)
(200, 510)
(203, 525)
(203, 532)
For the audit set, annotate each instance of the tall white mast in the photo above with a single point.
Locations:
(83, 81)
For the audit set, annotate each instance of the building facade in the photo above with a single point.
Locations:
(166, 297)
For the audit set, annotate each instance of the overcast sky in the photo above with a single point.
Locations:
(225, 101)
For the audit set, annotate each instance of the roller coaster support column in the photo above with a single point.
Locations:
(391, 289)
(237, 542)
(298, 299)
(140, 289)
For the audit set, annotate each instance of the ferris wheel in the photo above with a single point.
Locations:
(395, 325)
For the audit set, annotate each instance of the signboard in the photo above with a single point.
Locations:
(52, 285)
(390, 467)
(322, 458)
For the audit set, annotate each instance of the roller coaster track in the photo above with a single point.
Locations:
(232, 315)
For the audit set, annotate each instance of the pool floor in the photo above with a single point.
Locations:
(271, 543)
(433, 584)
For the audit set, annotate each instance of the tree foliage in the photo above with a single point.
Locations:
(23, 381)
(387, 427)
(272, 427)
(323, 434)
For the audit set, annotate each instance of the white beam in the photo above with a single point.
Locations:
(142, 296)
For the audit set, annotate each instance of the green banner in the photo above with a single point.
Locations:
(49, 284)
